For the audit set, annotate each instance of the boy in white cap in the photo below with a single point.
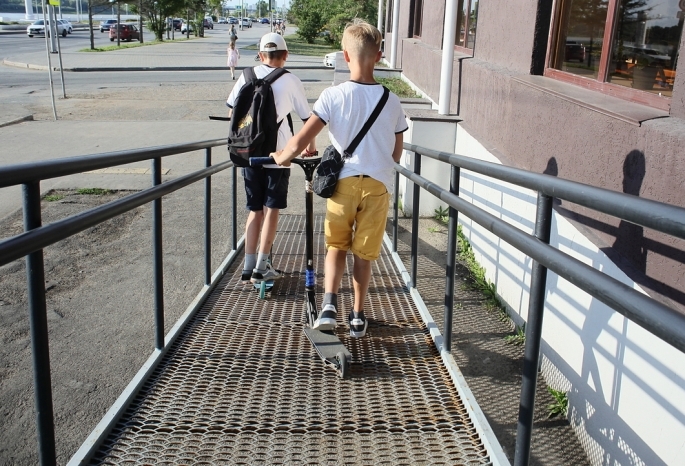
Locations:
(266, 188)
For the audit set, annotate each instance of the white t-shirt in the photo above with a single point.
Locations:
(289, 96)
(345, 108)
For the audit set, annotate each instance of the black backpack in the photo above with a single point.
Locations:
(254, 125)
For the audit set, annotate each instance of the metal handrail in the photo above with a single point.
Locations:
(36, 237)
(651, 214)
(13, 175)
(657, 318)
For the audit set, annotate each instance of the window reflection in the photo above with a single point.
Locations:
(581, 33)
(466, 20)
(645, 45)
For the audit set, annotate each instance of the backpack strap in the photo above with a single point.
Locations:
(249, 74)
(274, 75)
(372, 118)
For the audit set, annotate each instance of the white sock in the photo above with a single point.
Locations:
(261, 261)
(250, 261)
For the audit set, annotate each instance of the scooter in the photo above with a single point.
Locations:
(327, 344)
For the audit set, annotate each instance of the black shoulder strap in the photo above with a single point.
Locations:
(274, 75)
(372, 118)
(249, 74)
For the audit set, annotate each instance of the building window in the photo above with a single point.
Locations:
(466, 21)
(418, 17)
(627, 48)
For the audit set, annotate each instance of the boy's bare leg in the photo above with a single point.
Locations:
(361, 275)
(253, 225)
(268, 230)
(333, 269)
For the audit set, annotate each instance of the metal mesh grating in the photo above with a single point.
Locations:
(242, 384)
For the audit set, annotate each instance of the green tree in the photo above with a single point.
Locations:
(262, 8)
(314, 16)
(156, 12)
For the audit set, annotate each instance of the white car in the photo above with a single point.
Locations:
(38, 29)
(329, 60)
(185, 27)
(66, 24)
(247, 23)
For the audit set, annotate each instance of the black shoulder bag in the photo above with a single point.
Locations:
(328, 171)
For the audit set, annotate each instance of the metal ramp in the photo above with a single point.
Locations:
(243, 385)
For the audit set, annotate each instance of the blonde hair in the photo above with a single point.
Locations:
(231, 45)
(361, 39)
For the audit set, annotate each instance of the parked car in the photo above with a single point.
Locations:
(106, 24)
(574, 51)
(232, 20)
(329, 60)
(38, 29)
(208, 23)
(127, 32)
(177, 24)
(264, 21)
(223, 20)
(185, 28)
(247, 23)
(66, 24)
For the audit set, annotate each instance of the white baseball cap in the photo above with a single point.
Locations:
(272, 38)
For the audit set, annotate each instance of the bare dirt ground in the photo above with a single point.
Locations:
(100, 303)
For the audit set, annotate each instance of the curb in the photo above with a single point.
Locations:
(145, 68)
(17, 120)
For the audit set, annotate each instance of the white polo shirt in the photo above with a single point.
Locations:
(345, 108)
(289, 96)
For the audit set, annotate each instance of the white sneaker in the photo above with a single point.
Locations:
(326, 320)
(259, 276)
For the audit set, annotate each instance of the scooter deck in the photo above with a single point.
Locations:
(269, 285)
(331, 350)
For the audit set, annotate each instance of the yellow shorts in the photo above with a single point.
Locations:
(356, 215)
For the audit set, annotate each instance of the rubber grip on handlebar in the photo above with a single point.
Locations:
(257, 161)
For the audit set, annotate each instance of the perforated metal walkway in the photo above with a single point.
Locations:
(242, 384)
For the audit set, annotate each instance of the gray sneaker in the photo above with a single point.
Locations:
(326, 320)
(259, 276)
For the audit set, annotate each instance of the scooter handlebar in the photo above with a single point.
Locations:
(259, 161)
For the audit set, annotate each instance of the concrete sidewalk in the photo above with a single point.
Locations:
(208, 53)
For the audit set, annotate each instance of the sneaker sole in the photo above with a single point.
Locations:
(324, 324)
(358, 333)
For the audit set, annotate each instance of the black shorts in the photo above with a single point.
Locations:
(266, 187)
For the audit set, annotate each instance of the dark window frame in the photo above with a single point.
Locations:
(467, 24)
(416, 25)
(600, 83)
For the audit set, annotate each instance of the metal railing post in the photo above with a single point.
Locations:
(234, 206)
(208, 219)
(395, 209)
(531, 354)
(415, 222)
(158, 273)
(450, 266)
(38, 320)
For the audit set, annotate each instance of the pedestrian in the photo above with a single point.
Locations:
(357, 212)
(233, 56)
(266, 188)
(232, 36)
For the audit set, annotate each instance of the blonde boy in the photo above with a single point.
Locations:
(357, 212)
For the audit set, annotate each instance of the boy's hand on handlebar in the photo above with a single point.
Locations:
(280, 159)
(307, 153)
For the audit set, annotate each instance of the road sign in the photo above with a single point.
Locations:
(53, 2)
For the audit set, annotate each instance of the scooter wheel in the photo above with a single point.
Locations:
(344, 364)
(262, 290)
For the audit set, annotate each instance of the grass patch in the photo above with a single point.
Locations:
(129, 45)
(53, 197)
(397, 86)
(518, 338)
(298, 46)
(93, 191)
(478, 280)
(560, 404)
